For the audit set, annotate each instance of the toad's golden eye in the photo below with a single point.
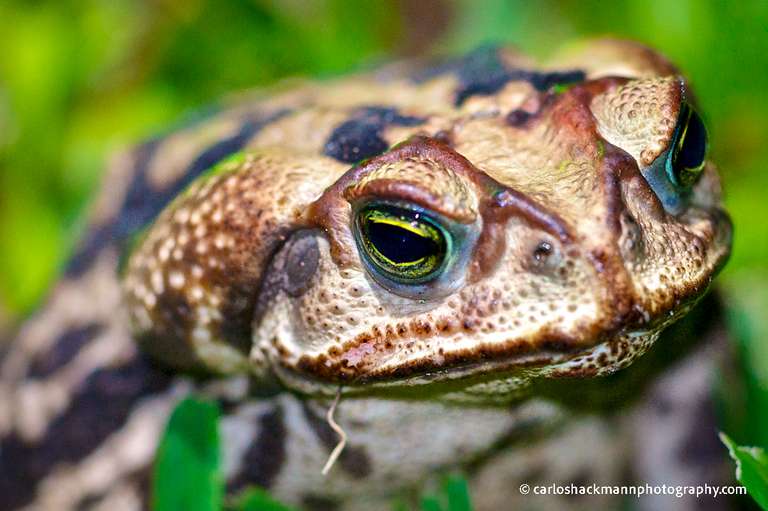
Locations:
(405, 245)
(688, 150)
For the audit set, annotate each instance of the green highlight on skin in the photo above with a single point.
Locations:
(600, 148)
(230, 164)
(560, 88)
(563, 165)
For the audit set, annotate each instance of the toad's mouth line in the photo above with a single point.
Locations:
(613, 353)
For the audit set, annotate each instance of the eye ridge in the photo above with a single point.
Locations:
(404, 244)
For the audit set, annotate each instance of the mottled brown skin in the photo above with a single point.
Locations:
(563, 180)
(251, 278)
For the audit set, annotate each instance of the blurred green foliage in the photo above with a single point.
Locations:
(752, 469)
(79, 79)
(255, 499)
(186, 473)
(455, 497)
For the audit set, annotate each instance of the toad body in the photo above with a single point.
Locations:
(447, 250)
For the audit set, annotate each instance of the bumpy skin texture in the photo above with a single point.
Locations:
(245, 267)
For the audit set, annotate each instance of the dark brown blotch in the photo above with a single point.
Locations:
(80, 429)
(65, 348)
(264, 459)
(311, 502)
(518, 118)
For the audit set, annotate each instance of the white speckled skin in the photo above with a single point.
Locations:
(251, 276)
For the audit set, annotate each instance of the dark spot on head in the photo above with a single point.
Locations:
(518, 118)
(63, 351)
(482, 72)
(360, 137)
(265, 457)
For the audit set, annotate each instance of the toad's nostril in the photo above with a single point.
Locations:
(545, 257)
(542, 252)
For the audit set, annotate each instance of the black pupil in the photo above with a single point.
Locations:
(400, 245)
(691, 153)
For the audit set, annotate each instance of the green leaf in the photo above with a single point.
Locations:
(399, 505)
(454, 491)
(430, 504)
(751, 469)
(256, 499)
(457, 490)
(186, 474)
(746, 403)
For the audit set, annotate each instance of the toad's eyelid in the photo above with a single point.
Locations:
(418, 228)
